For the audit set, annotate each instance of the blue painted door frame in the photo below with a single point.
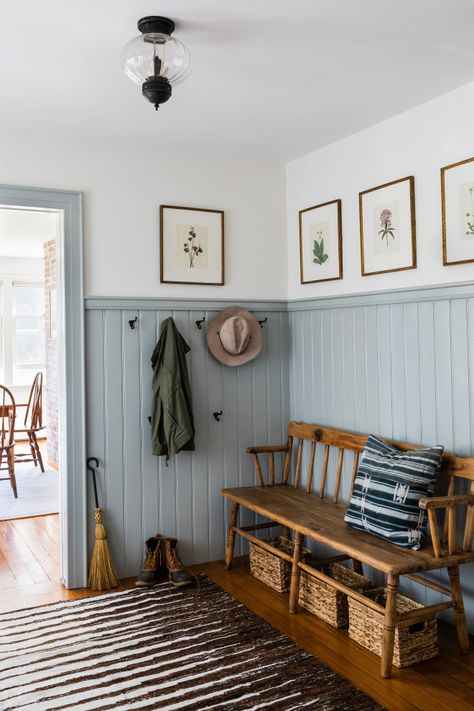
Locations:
(73, 494)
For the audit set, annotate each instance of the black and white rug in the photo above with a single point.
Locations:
(161, 648)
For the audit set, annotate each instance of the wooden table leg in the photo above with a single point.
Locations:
(458, 609)
(295, 574)
(389, 625)
(229, 548)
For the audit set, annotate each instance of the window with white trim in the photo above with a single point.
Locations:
(22, 334)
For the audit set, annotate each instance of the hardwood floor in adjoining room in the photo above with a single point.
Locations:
(29, 561)
(30, 565)
(29, 576)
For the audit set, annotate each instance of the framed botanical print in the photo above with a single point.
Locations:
(457, 209)
(387, 227)
(191, 245)
(321, 242)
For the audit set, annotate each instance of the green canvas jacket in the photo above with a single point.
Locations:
(172, 423)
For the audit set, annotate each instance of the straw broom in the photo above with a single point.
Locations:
(102, 575)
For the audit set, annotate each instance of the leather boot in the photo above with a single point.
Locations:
(153, 568)
(177, 573)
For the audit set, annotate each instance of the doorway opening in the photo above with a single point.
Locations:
(31, 348)
(65, 316)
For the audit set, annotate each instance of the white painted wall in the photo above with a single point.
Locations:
(123, 188)
(418, 142)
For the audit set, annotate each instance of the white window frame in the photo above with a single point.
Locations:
(8, 325)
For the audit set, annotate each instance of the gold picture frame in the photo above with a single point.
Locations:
(400, 240)
(332, 269)
(184, 246)
(444, 210)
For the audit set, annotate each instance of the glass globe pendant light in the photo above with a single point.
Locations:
(156, 60)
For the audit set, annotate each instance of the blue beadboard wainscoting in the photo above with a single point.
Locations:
(140, 494)
(397, 364)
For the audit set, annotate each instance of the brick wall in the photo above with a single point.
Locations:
(51, 389)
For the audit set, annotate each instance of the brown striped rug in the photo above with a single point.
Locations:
(161, 648)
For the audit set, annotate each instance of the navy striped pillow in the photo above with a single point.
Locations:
(387, 489)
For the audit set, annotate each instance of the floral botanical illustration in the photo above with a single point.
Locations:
(192, 249)
(318, 249)
(387, 230)
(470, 215)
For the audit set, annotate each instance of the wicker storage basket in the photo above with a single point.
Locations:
(326, 602)
(269, 568)
(413, 643)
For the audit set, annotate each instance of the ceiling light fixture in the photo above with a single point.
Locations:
(156, 60)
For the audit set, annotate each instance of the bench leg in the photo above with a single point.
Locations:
(295, 574)
(389, 625)
(229, 548)
(357, 565)
(458, 609)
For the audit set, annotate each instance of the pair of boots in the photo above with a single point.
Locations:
(161, 560)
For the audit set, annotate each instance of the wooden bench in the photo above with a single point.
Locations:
(320, 517)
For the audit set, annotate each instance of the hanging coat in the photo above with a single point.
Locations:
(172, 424)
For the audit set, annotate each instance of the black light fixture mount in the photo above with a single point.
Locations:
(155, 59)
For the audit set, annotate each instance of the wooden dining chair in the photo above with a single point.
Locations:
(32, 423)
(7, 436)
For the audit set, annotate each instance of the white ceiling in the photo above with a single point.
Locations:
(23, 232)
(273, 78)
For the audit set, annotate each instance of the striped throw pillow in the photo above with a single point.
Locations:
(387, 489)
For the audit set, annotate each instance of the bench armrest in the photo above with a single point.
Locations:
(449, 503)
(268, 449)
(443, 502)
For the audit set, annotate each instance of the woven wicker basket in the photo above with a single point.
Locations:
(269, 568)
(326, 602)
(413, 643)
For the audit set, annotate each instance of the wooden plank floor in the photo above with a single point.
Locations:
(29, 576)
(30, 564)
(446, 682)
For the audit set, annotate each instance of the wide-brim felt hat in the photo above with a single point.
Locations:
(234, 336)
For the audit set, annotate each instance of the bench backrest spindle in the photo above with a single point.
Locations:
(287, 465)
(299, 456)
(340, 461)
(324, 473)
(309, 479)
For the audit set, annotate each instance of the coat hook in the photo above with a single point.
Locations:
(263, 321)
(200, 322)
(217, 416)
(132, 322)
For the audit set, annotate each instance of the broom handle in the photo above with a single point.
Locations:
(95, 462)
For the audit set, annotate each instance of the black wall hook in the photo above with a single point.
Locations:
(200, 322)
(263, 321)
(132, 322)
(217, 416)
